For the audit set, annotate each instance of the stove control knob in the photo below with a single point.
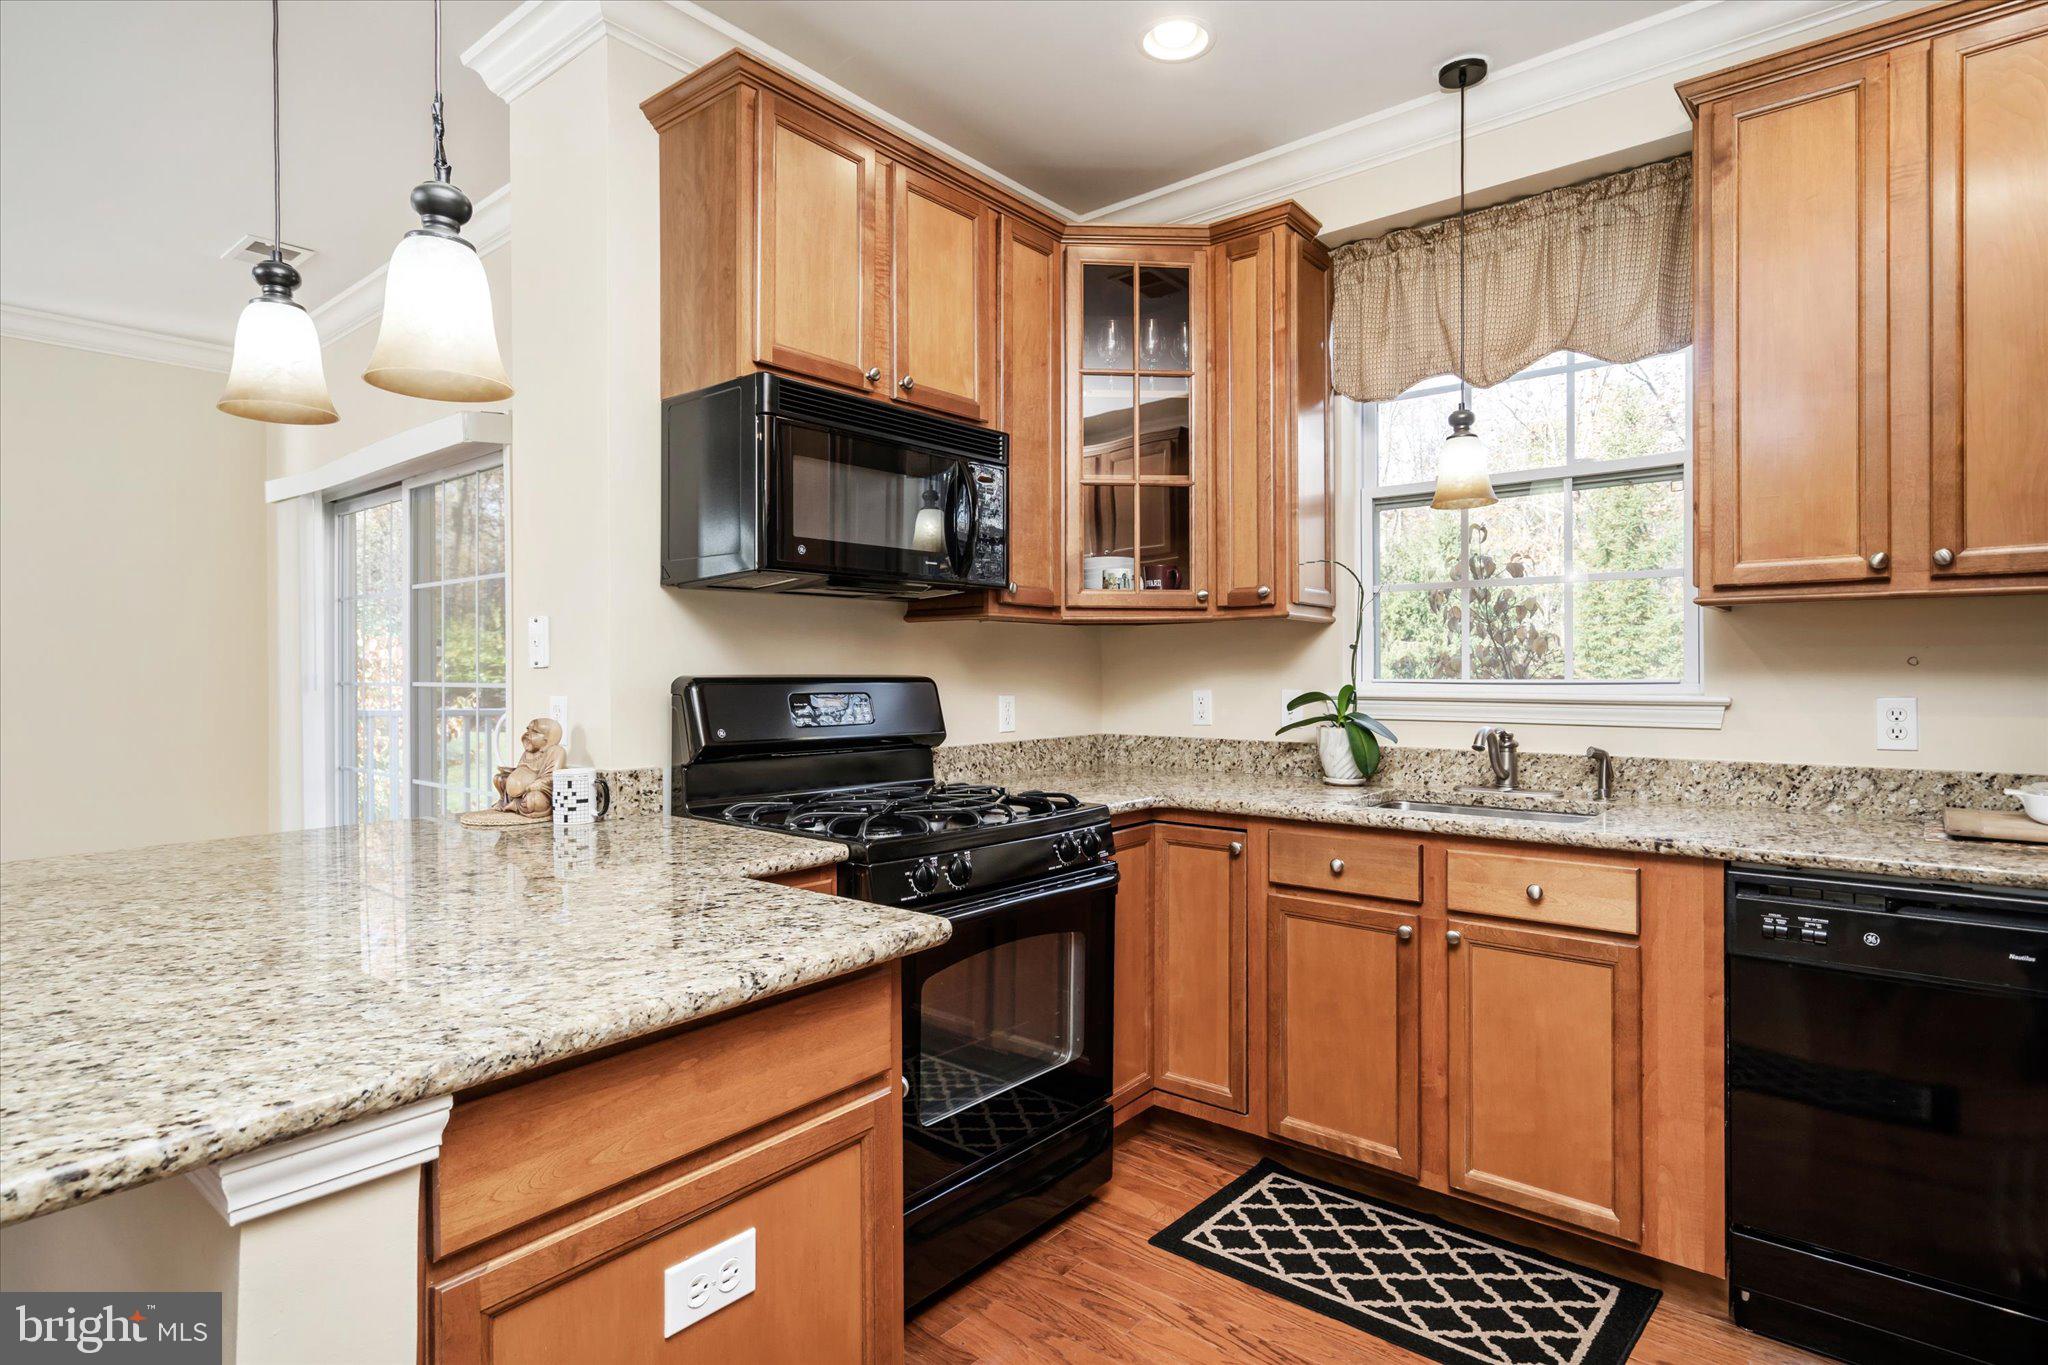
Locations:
(960, 870)
(1063, 849)
(1089, 841)
(924, 878)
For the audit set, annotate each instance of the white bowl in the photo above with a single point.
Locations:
(2033, 800)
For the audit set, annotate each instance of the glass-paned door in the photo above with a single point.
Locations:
(370, 576)
(1136, 496)
(458, 633)
(420, 660)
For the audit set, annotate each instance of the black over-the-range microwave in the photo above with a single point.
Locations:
(776, 485)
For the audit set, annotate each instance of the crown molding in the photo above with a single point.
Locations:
(1686, 40)
(112, 338)
(304, 1169)
(542, 36)
(489, 228)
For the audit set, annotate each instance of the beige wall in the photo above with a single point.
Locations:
(132, 624)
(586, 472)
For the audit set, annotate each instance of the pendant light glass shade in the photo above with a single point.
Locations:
(1461, 478)
(438, 338)
(276, 374)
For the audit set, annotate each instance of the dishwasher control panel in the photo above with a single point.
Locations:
(1799, 928)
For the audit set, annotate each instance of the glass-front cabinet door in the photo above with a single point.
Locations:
(1137, 462)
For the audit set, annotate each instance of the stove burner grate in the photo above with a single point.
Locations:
(896, 811)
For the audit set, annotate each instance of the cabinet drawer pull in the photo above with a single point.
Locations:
(1453, 937)
(1264, 592)
(1013, 587)
(1202, 595)
(1944, 557)
(1405, 932)
(1535, 892)
(1336, 867)
(874, 373)
(1236, 849)
(906, 1087)
(1880, 561)
(906, 383)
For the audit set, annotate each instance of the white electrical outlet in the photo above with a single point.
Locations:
(558, 707)
(1205, 710)
(536, 642)
(1898, 723)
(693, 1290)
(1006, 714)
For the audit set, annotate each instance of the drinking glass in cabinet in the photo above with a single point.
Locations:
(1163, 318)
(1106, 317)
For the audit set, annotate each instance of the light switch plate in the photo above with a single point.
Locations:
(1205, 707)
(536, 642)
(1006, 714)
(1898, 723)
(693, 1290)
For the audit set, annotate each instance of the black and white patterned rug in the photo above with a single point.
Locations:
(1434, 1288)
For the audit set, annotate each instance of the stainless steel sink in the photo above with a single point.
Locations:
(1546, 817)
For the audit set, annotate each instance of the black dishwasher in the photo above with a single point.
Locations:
(1888, 1116)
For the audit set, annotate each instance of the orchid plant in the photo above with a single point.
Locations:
(1361, 731)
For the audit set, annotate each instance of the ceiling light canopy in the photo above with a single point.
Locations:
(1179, 39)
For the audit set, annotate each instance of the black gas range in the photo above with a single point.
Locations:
(1007, 1026)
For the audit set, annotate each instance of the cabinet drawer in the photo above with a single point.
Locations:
(1384, 866)
(1543, 890)
(515, 1154)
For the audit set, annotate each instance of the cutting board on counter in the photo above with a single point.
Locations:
(1993, 824)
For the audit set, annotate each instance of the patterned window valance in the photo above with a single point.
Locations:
(1603, 267)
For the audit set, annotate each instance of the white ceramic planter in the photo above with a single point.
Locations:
(1340, 769)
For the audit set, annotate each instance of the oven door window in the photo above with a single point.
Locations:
(842, 503)
(992, 1023)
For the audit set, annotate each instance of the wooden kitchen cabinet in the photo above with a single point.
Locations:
(1270, 294)
(1870, 267)
(1987, 162)
(1344, 1029)
(943, 254)
(1198, 966)
(1545, 1074)
(1130, 1070)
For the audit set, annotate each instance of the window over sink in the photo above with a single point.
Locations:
(1573, 588)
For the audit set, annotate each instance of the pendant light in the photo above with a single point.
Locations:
(437, 338)
(1461, 478)
(276, 375)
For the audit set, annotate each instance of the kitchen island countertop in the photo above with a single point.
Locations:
(168, 1007)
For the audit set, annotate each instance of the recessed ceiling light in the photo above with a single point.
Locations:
(1176, 40)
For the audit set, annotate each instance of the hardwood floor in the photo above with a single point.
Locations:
(1090, 1288)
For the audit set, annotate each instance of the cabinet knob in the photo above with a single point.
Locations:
(906, 383)
(1944, 557)
(1535, 892)
(1336, 867)
(1405, 932)
(1880, 561)
(1013, 587)
(906, 1087)
(1264, 592)
(1236, 848)
(1453, 937)
(874, 373)
(1201, 594)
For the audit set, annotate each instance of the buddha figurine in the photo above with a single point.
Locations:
(528, 789)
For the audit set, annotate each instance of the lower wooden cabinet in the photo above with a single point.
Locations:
(1545, 1073)
(823, 1200)
(1343, 1031)
(1130, 1069)
(1198, 978)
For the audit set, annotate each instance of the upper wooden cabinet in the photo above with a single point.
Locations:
(1871, 266)
(1165, 389)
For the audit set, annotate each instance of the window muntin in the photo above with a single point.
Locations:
(1577, 575)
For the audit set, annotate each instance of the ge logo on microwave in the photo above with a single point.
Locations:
(1871, 940)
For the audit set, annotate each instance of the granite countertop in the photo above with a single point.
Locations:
(1893, 846)
(169, 1007)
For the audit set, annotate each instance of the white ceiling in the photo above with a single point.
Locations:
(135, 147)
(1058, 96)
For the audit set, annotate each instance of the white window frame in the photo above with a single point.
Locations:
(414, 686)
(1678, 704)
